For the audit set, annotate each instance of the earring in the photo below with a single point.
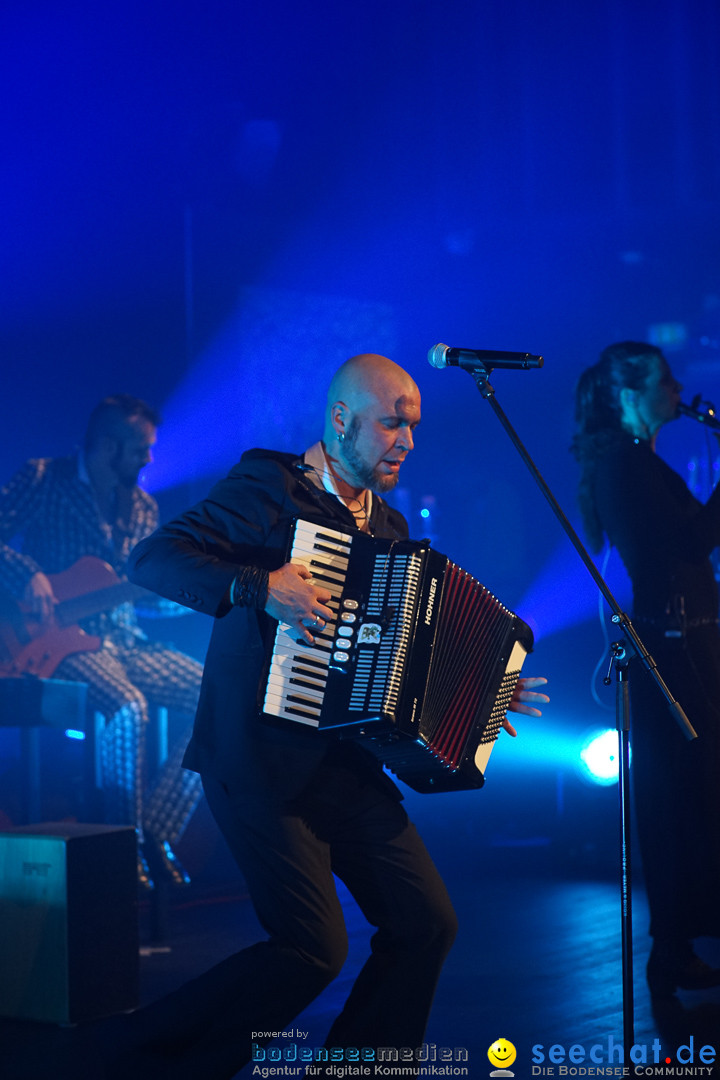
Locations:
(341, 436)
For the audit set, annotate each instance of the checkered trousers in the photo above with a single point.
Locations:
(123, 681)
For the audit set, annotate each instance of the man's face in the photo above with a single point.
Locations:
(133, 451)
(378, 438)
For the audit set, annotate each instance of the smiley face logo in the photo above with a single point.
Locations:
(502, 1053)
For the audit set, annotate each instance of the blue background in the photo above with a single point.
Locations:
(211, 205)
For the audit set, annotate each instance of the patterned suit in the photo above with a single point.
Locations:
(48, 510)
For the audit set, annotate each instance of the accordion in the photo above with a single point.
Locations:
(418, 665)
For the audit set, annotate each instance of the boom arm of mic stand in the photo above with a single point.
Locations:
(480, 377)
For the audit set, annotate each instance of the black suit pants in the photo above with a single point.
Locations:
(347, 822)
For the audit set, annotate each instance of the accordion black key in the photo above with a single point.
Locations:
(418, 664)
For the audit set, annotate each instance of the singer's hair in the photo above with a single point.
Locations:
(111, 416)
(598, 417)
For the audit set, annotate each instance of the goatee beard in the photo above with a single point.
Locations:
(369, 477)
(383, 484)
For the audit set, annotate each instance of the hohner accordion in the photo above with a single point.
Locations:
(419, 663)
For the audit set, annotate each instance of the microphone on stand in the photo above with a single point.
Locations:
(708, 417)
(441, 356)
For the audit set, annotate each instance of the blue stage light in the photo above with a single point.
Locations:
(544, 747)
(600, 757)
(262, 381)
(71, 733)
(563, 594)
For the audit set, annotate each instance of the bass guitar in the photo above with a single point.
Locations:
(32, 646)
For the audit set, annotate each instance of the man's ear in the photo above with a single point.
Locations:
(339, 417)
(107, 445)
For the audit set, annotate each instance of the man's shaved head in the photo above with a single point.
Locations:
(365, 376)
(373, 407)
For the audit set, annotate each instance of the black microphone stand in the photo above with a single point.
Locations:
(620, 660)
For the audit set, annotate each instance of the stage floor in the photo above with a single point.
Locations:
(537, 962)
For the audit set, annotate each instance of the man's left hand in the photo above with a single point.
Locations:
(524, 693)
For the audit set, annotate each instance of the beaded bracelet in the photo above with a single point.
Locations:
(250, 588)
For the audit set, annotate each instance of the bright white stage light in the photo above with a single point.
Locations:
(600, 757)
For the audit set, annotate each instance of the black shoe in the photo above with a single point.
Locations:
(672, 966)
(164, 861)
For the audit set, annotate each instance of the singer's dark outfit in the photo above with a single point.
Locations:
(665, 537)
(294, 806)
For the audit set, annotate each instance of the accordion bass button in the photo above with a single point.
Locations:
(341, 657)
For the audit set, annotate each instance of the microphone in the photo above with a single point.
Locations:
(708, 418)
(441, 356)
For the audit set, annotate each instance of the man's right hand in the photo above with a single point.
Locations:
(39, 597)
(294, 598)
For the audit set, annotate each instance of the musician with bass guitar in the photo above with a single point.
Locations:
(67, 527)
(294, 804)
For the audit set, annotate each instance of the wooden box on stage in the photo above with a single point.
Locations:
(68, 922)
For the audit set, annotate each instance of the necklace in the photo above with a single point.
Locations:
(362, 518)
